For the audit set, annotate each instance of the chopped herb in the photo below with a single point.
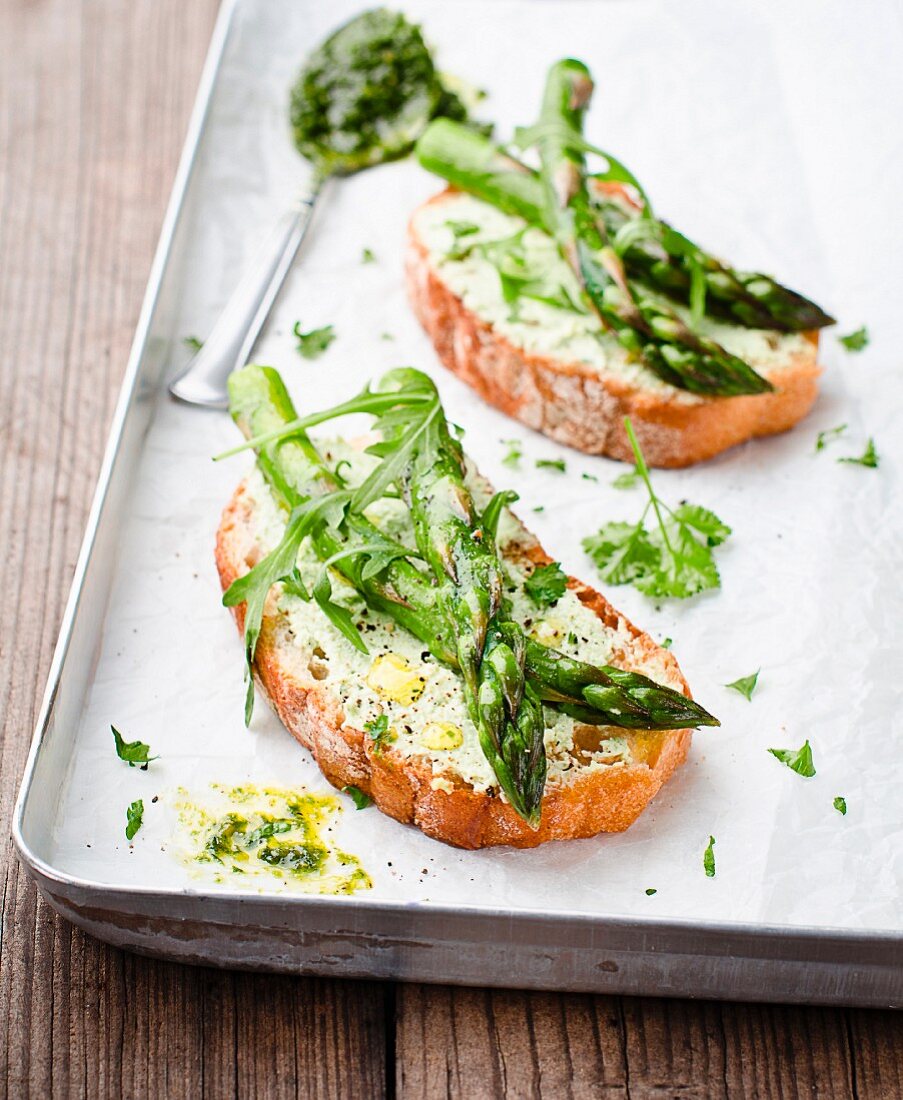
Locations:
(799, 760)
(572, 638)
(539, 508)
(312, 344)
(135, 753)
(193, 344)
(869, 457)
(386, 336)
(368, 256)
(828, 436)
(552, 464)
(357, 796)
(628, 480)
(840, 805)
(746, 685)
(857, 340)
(650, 891)
(589, 477)
(667, 643)
(546, 584)
(462, 229)
(134, 817)
(515, 454)
(708, 858)
(673, 559)
(377, 729)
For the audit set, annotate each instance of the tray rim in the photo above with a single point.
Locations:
(781, 943)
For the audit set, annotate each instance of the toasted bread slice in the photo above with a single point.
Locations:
(432, 772)
(560, 373)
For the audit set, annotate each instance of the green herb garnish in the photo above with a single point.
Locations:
(840, 805)
(377, 729)
(546, 584)
(746, 685)
(134, 817)
(667, 643)
(708, 858)
(312, 344)
(368, 256)
(557, 464)
(828, 436)
(589, 477)
(515, 454)
(357, 796)
(650, 891)
(386, 336)
(193, 344)
(462, 229)
(869, 457)
(135, 753)
(855, 341)
(539, 508)
(628, 480)
(798, 760)
(673, 559)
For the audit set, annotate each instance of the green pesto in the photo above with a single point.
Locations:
(367, 93)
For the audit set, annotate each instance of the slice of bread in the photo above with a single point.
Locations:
(560, 373)
(432, 772)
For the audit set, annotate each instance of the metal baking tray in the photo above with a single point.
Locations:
(144, 643)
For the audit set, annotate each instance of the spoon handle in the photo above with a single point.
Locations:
(230, 343)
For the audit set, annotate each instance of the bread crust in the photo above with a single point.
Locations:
(572, 404)
(607, 799)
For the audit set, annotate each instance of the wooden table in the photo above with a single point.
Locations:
(94, 100)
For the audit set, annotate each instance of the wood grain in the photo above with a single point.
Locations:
(94, 99)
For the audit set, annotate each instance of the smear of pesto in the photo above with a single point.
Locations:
(263, 833)
(366, 94)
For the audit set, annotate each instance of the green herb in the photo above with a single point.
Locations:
(546, 584)
(357, 796)
(368, 256)
(134, 816)
(828, 436)
(386, 336)
(572, 638)
(377, 729)
(651, 891)
(135, 753)
(708, 858)
(193, 344)
(673, 559)
(312, 344)
(857, 340)
(667, 643)
(515, 454)
(557, 464)
(840, 805)
(539, 508)
(628, 480)
(746, 685)
(462, 229)
(798, 760)
(869, 457)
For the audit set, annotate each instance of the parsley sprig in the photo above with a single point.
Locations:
(134, 753)
(546, 584)
(674, 558)
(311, 345)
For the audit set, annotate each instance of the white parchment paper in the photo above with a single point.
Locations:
(772, 134)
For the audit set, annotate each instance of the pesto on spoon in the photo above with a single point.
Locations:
(364, 97)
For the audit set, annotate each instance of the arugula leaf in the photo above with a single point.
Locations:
(134, 818)
(193, 344)
(855, 341)
(869, 457)
(312, 344)
(746, 685)
(798, 760)
(377, 729)
(133, 752)
(546, 584)
(339, 616)
(357, 796)
(515, 454)
(492, 514)
(674, 558)
(557, 464)
(650, 892)
(368, 256)
(840, 805)
(628, 480)
(828, 436)
(708, 858)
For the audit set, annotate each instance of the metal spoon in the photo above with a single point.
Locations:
(362, 98)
